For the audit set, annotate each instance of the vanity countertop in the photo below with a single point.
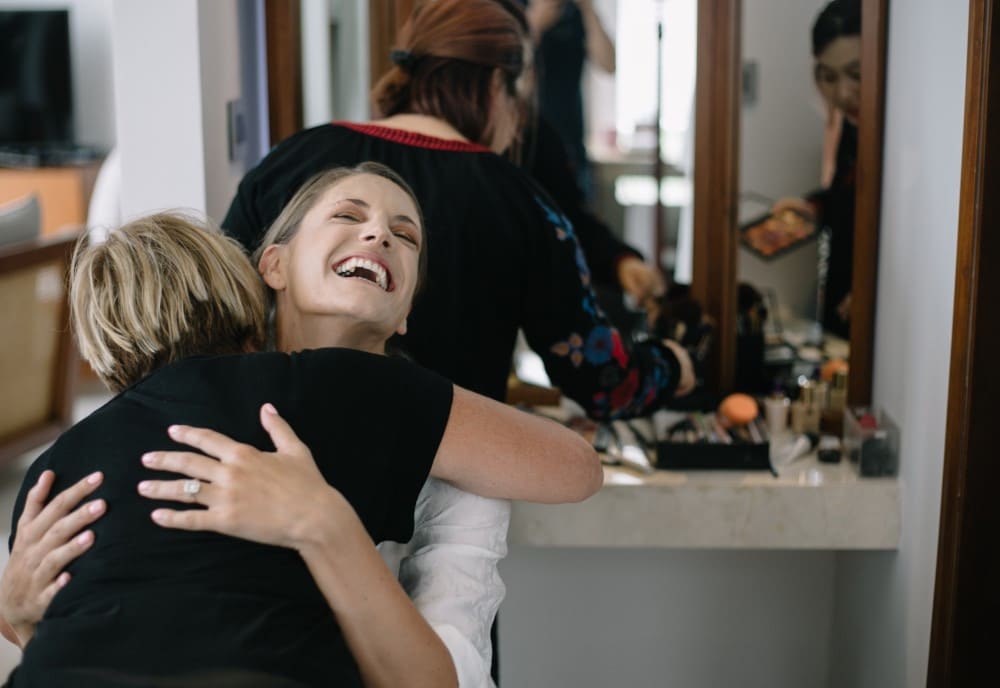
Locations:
(809, 505)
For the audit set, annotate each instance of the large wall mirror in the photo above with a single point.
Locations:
(776, 122)
(731, 92)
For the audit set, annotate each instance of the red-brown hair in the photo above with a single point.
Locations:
(445, 56)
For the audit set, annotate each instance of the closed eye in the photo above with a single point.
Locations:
(353, 217)
(407, 237)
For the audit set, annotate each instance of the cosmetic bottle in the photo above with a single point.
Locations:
(800, 408)
(810, 408)
(776, 412)
(833, 416)
(838, 392)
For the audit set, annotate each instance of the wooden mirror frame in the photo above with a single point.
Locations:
(716, 186)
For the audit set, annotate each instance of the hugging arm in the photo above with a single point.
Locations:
(48, 537)
(495, 450)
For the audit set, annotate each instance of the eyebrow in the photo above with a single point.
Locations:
(364, 204)
(853, 64)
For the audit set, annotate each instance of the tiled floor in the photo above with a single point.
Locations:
(90, 398)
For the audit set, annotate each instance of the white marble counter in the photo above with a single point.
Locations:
(810, 505)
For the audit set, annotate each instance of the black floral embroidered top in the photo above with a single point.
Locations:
(502, 256)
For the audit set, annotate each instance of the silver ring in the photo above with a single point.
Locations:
(192, 487)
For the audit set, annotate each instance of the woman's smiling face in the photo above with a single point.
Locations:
(355, 257)
(838, 75)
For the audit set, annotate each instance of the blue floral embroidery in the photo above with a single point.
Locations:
(572, 347)
(564, 228)
(599, 345)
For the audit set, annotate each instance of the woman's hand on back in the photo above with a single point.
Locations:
(48, 538)
(276, 498)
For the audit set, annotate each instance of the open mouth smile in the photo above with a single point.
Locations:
(365, 269)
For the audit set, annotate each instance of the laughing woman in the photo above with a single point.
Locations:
(165, 313)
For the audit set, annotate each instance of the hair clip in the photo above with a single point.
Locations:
(402, 58)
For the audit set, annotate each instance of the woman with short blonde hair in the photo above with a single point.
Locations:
(159, 289)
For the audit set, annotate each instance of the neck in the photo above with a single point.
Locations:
(422, 124)
(297, 333)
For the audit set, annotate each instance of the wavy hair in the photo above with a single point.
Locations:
(159, 289)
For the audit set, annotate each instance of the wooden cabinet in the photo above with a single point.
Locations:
(63, 192)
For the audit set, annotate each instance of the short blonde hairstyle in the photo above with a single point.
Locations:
(159, 289)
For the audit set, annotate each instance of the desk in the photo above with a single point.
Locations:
(809, 506)
(63, 192)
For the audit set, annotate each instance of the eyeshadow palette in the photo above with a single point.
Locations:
(775, 233)
(700, 442)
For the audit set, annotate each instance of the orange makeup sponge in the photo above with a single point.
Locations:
(831, 368)
(738, 409)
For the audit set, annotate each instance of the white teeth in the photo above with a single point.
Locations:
(350, 265)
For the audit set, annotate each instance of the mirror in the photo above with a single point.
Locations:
(769, 134)
(719, 160)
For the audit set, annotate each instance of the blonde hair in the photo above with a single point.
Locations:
(159, 289)
(286, 225)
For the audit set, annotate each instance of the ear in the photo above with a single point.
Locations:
(272, 266)
(498, 87)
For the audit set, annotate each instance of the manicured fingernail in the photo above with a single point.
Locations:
(63, 579)
(158, 515)
(96, 506)
(268, 408)
(95, 478)
(85, 537)
(148, 459)
(145, 486)
(174, 430)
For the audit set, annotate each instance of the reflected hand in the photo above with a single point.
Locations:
(640, 280)
(798, 205)
(48, 539)
(275, 498)
(687, 382)
(844, 308)
(541, 15)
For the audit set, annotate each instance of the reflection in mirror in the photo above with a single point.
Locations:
(631, 119)
(801, 77)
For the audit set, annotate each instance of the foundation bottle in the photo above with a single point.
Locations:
(800, 408)
(813, 410)
(838, 392)
(833, 416)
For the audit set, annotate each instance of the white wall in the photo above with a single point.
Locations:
(220, 83)
(335, 63)
(591, 618)
(90, 53)
(781, 138)
(176, 65)
(882, 627)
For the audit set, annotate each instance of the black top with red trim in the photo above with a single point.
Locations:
(148, 603)
(547, 161)
(502, 256)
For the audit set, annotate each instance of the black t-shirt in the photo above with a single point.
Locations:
(836, 219)
(151, 601)
(502, 256)
(560, 56)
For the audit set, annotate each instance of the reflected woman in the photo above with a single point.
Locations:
(836, 47)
